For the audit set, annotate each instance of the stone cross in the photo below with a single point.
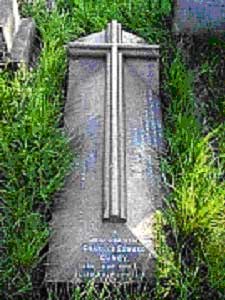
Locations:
(103, 217)
(114, 179)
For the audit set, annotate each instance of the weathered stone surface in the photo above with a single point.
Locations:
(9, 20)
(16, 34)
(103, 218)
(50, 4)
(23, 42)
(195, 16)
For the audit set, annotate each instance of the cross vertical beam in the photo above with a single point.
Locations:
(114, 194)
(114, 168)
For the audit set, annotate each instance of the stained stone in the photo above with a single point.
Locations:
(50, 4)
(103, 218)
(16, 34)
(195, 16)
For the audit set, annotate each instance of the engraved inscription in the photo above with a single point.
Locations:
(117, 257)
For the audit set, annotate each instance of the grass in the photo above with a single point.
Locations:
(36, 156)
(193, 266)
(90, 290)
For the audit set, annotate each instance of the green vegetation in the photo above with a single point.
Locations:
(35, 153)
(195, 215)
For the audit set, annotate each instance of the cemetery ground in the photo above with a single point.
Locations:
(36, 156)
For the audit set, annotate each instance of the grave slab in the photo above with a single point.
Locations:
(102, 225)
(199, 16)
(16, 34)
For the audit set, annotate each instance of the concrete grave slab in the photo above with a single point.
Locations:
(103, 217)
(16, 34)
(199, 16)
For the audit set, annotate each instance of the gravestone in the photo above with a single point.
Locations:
(103, 218)
(199, 16)
(16, 34)
(50, 4)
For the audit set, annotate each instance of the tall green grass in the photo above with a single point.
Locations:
(193, 264)
(35, 156)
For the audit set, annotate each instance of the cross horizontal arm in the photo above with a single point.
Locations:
(98, 51)
(109, 45)
(87, 52)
